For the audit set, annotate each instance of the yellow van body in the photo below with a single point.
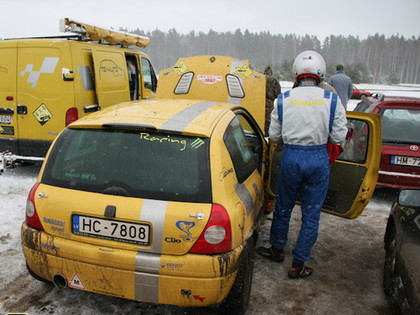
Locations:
(45, 84)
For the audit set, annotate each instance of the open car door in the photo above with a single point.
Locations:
(354, 174)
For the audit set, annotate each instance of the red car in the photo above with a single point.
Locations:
(358, 94)
(400, 155)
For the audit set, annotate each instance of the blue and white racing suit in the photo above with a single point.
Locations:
(305, 119)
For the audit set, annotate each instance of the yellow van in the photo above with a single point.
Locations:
(47, 83)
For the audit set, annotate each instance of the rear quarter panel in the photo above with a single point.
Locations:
(243, 201)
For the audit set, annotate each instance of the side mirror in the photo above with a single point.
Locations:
(409, 198)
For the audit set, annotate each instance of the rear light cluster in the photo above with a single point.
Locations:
(72, 115)
(217, 235)
(32, 218)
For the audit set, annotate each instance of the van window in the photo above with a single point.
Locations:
(86, 78)
(131, 162)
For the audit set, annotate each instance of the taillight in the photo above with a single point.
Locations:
(72, 115)
(32, 218)
(217, 235)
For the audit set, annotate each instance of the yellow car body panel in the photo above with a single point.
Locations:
(207, 279)
(216, 78)
(246, 197)
(156, 113)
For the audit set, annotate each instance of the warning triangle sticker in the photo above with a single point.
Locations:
(76, 282)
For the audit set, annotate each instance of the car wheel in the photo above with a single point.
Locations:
(390, 276)
(238, 298)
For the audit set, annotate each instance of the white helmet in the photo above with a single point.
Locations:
(309, 64)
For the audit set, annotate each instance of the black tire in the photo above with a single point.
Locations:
(35, 276)
(238, 299)
(390, 266)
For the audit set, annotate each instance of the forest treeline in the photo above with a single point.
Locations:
(376, 59)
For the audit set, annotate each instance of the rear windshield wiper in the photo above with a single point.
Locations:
(115, 190)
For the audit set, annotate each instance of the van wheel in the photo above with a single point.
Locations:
(238, 299)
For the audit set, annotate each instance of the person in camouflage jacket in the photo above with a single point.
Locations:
(272, 90)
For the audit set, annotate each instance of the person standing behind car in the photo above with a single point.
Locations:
(272, 90)
(305, 119)
(343, 85)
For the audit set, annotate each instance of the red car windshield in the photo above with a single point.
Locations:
(401, 125)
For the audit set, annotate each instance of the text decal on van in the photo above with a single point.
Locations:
(48, 66)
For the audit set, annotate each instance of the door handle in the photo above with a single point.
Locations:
(6, 111)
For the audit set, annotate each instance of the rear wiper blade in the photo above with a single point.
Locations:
(115, 190)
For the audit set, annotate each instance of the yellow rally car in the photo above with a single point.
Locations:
(160, 201)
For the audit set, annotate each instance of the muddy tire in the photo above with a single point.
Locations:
(390, 266)
(238, 299)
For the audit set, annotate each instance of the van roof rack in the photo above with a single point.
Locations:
(98, 34)
(73, 36)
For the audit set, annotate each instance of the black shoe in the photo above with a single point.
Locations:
(271, 253)
(300, 272)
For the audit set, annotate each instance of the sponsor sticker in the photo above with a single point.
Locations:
(209, 79)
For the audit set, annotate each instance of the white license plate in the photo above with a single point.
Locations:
(128, 232)
(405, 160)
(5, 119)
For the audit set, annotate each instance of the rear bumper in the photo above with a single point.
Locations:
(188, 280)
(398, 180)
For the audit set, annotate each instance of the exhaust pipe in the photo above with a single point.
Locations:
(59, 281)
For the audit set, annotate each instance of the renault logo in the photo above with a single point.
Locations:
(414, 148)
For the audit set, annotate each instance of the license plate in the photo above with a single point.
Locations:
(405, 160)
(128, 232)
(5, 119)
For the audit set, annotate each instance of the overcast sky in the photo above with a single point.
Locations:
(320, 18)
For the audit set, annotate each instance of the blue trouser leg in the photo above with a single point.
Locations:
(287, 192)
(305, 171)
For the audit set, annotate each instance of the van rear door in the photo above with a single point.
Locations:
(111, 81)
(43, 95)
(8, 115)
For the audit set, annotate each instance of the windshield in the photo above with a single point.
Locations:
(400, 125)
(131, 163)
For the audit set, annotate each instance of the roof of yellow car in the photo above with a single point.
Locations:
(196, 117)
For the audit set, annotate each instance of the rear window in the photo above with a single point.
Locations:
(131, 162)
(400, 125)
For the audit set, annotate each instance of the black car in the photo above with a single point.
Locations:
(402, 246)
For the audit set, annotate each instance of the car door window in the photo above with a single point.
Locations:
(244, 146)
(150, 81)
